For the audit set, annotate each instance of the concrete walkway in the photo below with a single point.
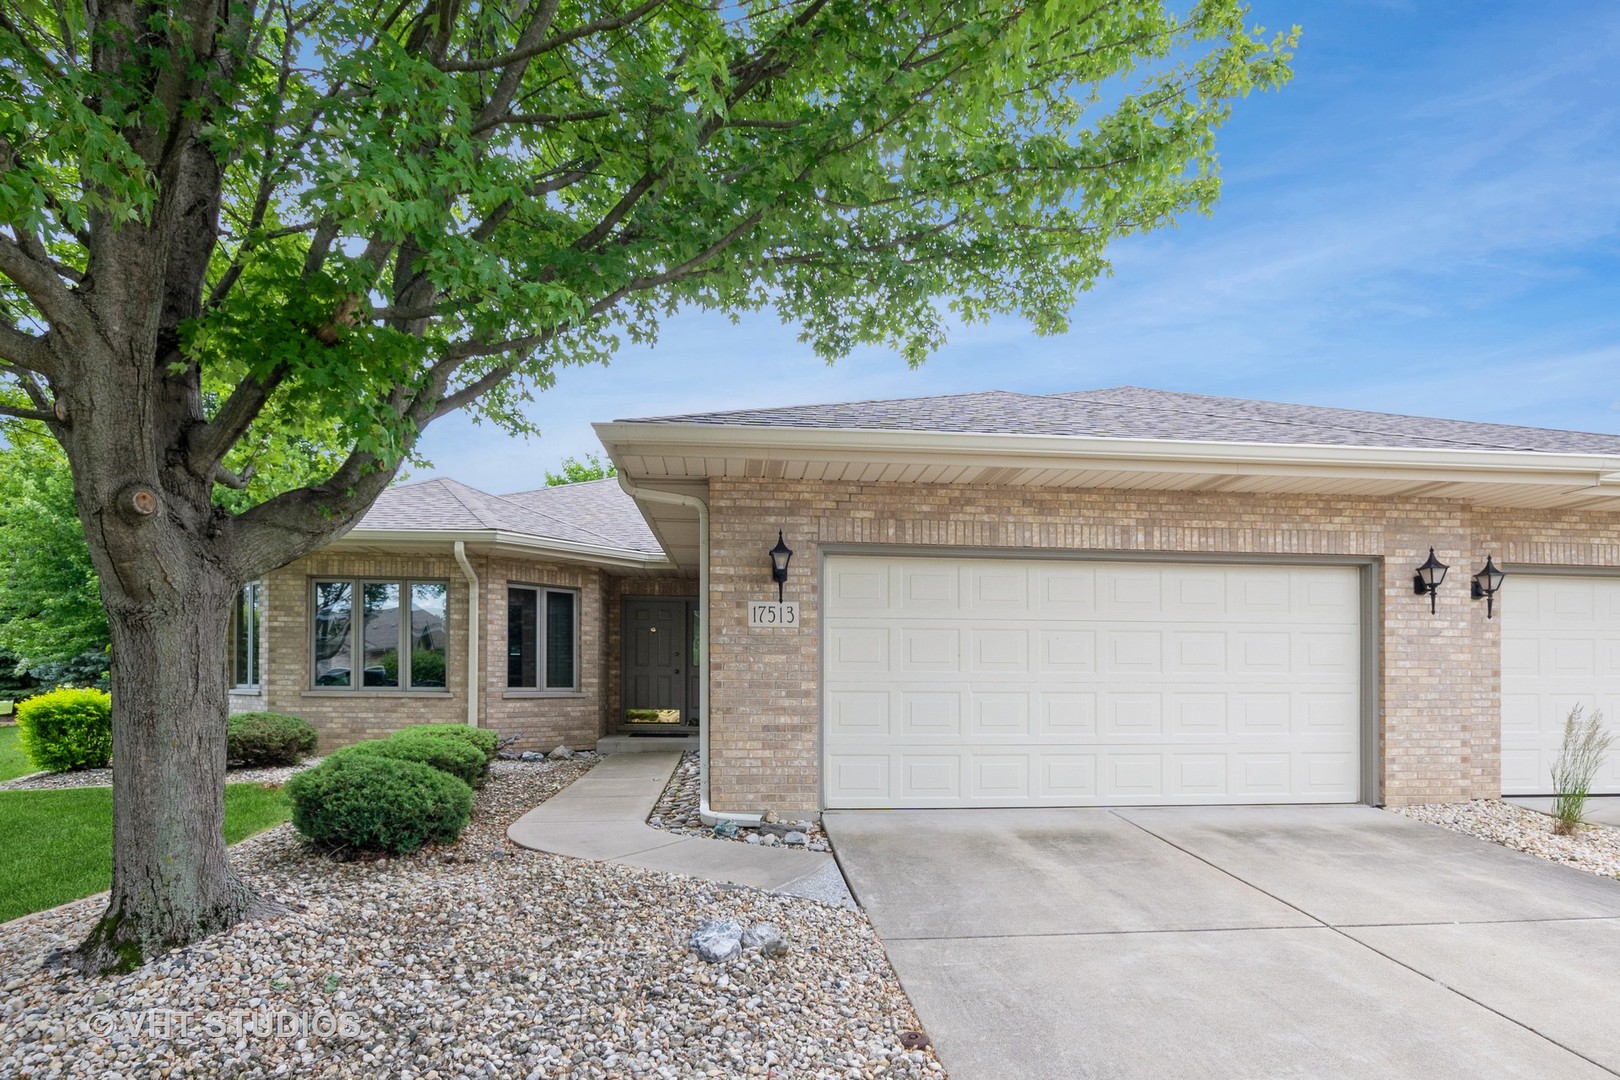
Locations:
(1600, 809)
(1306, 943)
(603, 816)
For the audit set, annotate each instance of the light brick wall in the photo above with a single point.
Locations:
(540, 721)
(1438, 675)
(346, 716)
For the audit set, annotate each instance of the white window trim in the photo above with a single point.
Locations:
(541, 637)
(356, 629)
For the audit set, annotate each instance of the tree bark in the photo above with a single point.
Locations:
(172, 882)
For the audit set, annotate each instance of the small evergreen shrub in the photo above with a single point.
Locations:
(371, 802)
(487, 741)
(460, 759)
(66, 729)
(259, 739)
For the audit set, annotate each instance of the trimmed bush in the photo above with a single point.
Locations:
(257, 739)
(487, 741)
(66, 729)
(371, 802)
(453, 756)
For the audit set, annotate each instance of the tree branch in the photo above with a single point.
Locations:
(41, 285)
(518, 55)
(24, 351)
(210, 442)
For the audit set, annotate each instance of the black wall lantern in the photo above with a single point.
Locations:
(781, 555)
(1486, 584)
(1429, 576)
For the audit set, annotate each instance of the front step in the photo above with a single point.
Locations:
(646, 744)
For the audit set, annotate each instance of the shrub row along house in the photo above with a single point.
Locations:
(1119, 596)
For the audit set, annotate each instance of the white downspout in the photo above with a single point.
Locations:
(708, 815)
(474, 672)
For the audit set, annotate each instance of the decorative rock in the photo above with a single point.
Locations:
(772, 828)
(531, 755)
(726, 829)
(718, 940)
(768, 817)
(766, 938)
(562, 753)
(771, 840)
(795, 839)
(753, 838)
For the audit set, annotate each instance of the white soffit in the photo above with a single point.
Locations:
(676, 456)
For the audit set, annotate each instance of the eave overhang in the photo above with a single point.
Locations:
(676, 456)
(495, 542)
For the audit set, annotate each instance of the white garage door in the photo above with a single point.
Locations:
(1017, 682)
(1560, 648)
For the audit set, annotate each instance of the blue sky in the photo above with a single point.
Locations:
(1427, 221)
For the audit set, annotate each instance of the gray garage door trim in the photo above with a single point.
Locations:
(1370, 620)
(1609, 782)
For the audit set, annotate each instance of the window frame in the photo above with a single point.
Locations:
(356, 643)
(250, 634)
(542, 636)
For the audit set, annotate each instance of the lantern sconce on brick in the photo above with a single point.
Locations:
(1428, 578)
(1487, 583)
(781, 555)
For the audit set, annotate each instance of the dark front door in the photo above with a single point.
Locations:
(659, 678)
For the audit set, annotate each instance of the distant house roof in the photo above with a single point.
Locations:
(594, 514)
(1129, 412)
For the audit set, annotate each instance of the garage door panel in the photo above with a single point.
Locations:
(1116, 683)
(1000, 650)
(858, 587)
(1067, 650)
(1068, 713)
(1137, 652)
(1560, 648)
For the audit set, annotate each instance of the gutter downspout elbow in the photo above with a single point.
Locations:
(474, 673)
(708, 815)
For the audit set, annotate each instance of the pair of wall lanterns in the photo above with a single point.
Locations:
(1486, 583)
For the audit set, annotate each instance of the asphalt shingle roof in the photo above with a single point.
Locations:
(597, 513)
(1134, 413)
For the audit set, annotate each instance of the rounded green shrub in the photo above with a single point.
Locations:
(461, 760)
(258, 739)
(487, 741)
(371, 802)
(66, 729)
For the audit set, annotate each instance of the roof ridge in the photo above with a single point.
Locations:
(1326, 409)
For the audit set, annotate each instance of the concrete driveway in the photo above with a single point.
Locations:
(1242, 942)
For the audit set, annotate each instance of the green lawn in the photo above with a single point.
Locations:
(13, 762)
(56, 846)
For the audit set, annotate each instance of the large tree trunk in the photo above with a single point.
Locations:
(171, 880)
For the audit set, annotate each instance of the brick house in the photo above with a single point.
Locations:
(1111, 597)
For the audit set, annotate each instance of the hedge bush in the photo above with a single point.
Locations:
(487, 741)
(371, 802)
(460, 759)
(66, 729)
(256, 739)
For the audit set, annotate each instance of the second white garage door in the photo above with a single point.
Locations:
(1560, 648)
(1021, 682)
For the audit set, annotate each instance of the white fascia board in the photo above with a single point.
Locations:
(511, 541)
(1091, 452)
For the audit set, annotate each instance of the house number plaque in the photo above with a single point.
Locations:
(771, 613)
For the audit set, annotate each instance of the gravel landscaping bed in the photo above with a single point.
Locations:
(1594, 848)
(103, 777)
(677, 811)
(476, 959)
